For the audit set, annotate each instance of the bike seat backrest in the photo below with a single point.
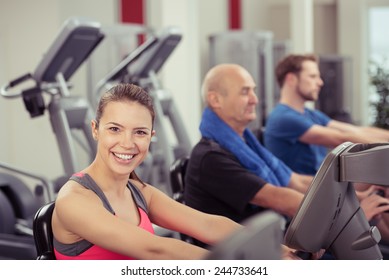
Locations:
(177, 178)
(43, 234)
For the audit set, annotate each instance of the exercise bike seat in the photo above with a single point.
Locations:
(43, 234)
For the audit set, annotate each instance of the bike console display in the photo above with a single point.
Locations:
(330, 216)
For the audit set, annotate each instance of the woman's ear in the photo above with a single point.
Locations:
(94, 128)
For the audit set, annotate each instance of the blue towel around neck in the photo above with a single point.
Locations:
(250, 153)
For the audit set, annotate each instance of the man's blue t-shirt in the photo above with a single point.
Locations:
(284, 127)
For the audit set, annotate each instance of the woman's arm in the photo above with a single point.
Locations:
(176, 216)
(81, 215)
(207, 228)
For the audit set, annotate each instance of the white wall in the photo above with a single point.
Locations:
(4, 141)
(180, 74)
(354, 44)
(25, 36)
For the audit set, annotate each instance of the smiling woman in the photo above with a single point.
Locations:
(125, 128)
(121, 207)
(123, 131)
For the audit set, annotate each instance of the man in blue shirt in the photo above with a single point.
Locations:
(300, 136)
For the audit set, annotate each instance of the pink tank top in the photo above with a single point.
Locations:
(84, 250)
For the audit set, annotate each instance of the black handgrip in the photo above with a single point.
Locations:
(20, 79)
(304, 255)
(382, 193)
(34, 102)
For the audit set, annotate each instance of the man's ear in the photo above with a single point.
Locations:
(290, 78)
(213, 99)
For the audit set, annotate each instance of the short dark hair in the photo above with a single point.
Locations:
(291, 64)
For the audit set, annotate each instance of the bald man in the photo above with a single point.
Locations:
(226, 174)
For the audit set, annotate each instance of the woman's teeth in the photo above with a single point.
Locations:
(125, 157)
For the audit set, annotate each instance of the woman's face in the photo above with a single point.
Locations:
(124, 135)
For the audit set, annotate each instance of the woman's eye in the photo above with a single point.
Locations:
(141, 132)
(114, 129)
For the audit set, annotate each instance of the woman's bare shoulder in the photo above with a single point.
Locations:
(147, 190)
(73, 191)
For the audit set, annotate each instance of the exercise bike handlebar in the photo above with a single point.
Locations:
(4, 91)
(50, 88)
